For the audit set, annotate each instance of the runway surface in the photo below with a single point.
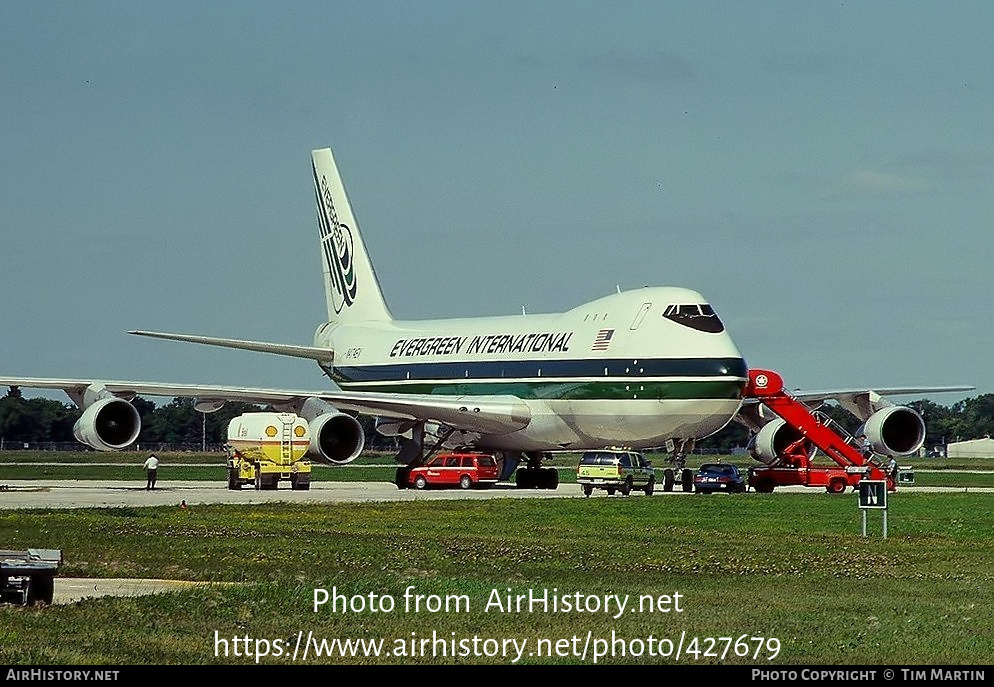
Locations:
(112, 494)
(62, 494)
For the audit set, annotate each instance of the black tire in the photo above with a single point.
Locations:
(258, 479)
(41, 589)
(836, 485)
(465, 482)
(420, 482)
(610, 491)
(687, 479)
(587, 490)
(540, 478)
(553, 479)
(525, 478)
(650, 487)
(400, 477)
(765, 486)
(626, 488)
(668, 480)
(233, 482)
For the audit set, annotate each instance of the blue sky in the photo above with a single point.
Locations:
(821, 172)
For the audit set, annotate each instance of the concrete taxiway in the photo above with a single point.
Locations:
(21, 494)
(72, 589)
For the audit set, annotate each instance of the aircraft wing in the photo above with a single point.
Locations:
(850, 395)
(861, 402)
(483, 414)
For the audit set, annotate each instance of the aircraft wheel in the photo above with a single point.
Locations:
(524, 479)
(553, 479)
(668, 480)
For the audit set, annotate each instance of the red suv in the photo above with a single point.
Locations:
(464, 470)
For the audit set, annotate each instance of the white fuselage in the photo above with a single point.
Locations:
(615, 370)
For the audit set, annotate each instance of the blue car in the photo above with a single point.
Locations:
(712, 477)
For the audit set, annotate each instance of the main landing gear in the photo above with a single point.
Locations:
(534, 476)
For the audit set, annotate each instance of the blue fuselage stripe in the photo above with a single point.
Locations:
(716, 368)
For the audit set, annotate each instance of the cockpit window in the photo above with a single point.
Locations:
(696, 316)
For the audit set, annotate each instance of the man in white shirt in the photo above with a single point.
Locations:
(151, 471)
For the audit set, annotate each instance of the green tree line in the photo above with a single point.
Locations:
(42, 420)
(37, 420)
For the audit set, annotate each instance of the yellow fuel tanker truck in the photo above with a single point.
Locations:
(265, 448)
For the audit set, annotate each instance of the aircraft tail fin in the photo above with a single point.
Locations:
(351, 287)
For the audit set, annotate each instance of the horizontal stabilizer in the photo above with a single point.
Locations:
(322, 355)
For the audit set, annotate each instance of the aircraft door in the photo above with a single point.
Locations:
(640, 315)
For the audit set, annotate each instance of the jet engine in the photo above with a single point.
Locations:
(336, 438)
(770, 442)
(894, 431)
(108, 424)
(891, 431)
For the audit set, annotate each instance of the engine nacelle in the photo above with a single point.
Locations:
(770, 442)
(108, 424)
(895, 431)
(393, 426)
(336, 438)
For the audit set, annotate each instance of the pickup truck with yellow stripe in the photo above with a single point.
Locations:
(615, 470)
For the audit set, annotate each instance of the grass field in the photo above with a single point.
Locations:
(787, 566)
(787, 574)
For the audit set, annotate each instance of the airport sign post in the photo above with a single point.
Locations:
(873, 496)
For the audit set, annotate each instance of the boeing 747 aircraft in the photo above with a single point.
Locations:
(645, 368)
